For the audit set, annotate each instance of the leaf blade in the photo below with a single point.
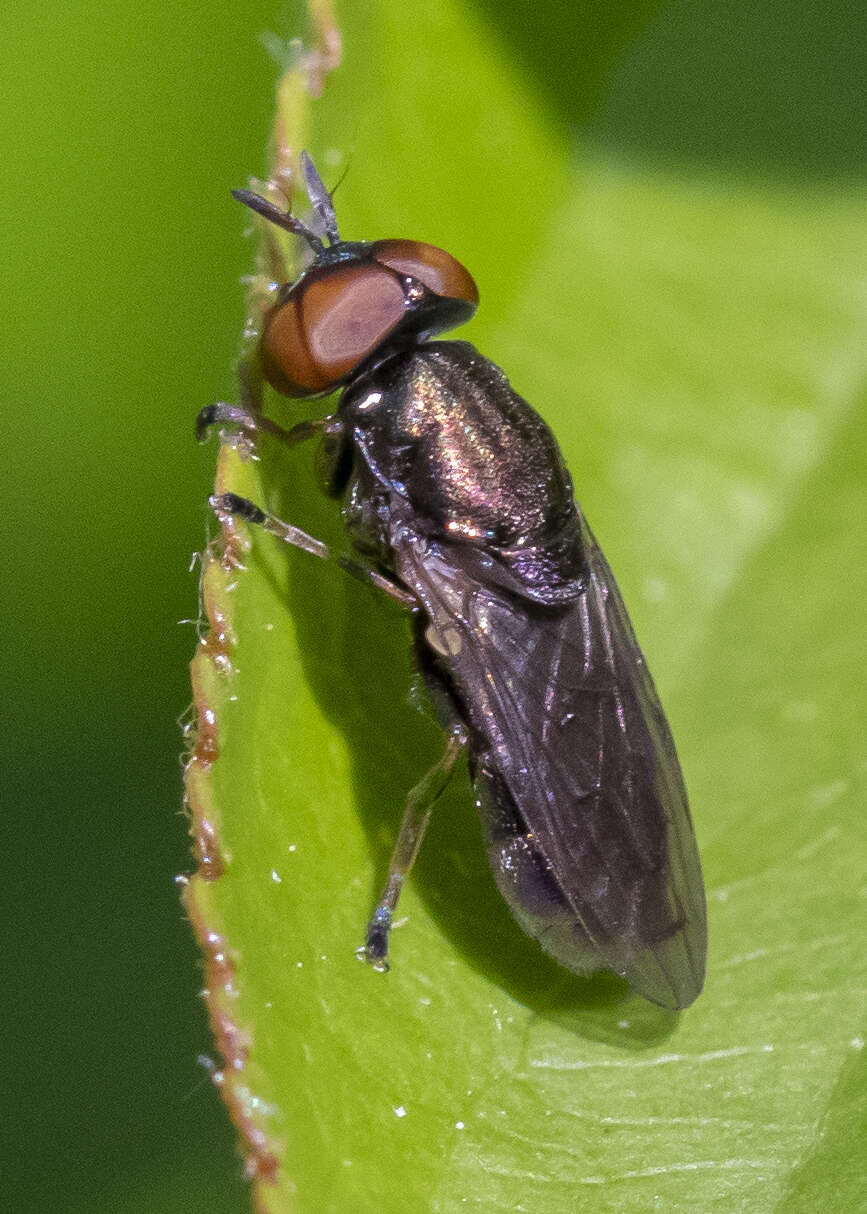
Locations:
(477, 1069)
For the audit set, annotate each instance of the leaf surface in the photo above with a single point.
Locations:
(697, 345)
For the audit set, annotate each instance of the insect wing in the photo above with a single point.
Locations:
(582, 798)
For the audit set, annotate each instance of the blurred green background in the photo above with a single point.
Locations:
(122, 132)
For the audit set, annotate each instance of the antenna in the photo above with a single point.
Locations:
(320, 199)
(284, 219)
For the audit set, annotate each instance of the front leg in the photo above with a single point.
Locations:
(248, 416)
(254, 422)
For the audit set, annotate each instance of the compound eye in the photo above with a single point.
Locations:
(332, 321)
(286, 361)
(435, 268)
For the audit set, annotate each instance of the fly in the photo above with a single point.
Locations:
(459, 506)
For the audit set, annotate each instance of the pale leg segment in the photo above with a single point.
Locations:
(419, 806)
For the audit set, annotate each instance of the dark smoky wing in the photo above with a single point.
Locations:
(582, 797)
(669, 944)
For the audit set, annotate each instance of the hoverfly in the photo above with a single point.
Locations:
(458, 504)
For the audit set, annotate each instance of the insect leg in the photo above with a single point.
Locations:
(255, 423)
(374, 578)
(230, 505)
(248, 415)
(419, 806)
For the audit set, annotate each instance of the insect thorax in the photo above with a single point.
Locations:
(440, 433)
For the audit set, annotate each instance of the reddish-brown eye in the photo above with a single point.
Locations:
(331, 322)
(286, 361)
(348, 313)
(436, 269)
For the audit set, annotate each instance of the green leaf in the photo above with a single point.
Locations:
(697, 344)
